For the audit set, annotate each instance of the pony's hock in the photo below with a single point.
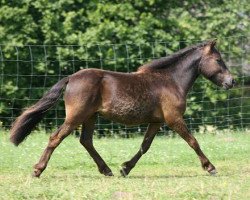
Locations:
(154, 94)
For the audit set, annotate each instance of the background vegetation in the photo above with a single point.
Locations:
(42, 41)
(82, 22)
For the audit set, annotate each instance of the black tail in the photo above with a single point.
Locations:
(24, 124)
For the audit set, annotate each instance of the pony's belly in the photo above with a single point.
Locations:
(131, 115)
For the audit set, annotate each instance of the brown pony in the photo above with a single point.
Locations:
(155, 94)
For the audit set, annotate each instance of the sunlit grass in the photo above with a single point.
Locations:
(170, 169)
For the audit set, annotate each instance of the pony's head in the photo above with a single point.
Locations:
(213, 67)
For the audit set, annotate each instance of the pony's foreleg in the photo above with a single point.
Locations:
(55, 139)
(86, 140)
(178, 124)
(147, 141)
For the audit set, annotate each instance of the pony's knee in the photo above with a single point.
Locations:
(193, 143)
(144, 148)
(60, 134)
(54, 141)
(85, 143)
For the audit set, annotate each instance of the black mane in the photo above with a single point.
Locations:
(171, 59)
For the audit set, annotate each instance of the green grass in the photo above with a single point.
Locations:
(169, 170)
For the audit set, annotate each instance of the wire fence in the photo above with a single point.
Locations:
(27, 71)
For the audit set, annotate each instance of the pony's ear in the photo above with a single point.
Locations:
(212, 43)
(209, 46)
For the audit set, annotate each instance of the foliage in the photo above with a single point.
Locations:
(137, 22)
(143, 30)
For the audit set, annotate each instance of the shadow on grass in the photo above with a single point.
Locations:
(97, 176)
(168, 176)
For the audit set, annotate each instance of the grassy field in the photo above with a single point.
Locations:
(170, 169)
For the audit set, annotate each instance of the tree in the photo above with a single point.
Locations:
(143, 30)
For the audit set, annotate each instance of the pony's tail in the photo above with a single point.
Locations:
(24, 124)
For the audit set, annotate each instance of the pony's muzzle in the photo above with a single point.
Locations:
(228, 82)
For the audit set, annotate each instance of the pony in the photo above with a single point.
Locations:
(155, 94)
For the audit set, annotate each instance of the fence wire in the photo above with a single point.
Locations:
(27, 71)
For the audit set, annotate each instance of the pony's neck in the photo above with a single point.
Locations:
(185, 72)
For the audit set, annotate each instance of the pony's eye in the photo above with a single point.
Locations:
(218, 61)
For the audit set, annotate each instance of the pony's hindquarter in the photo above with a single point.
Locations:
(24, 124)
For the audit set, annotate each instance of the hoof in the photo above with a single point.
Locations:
(106, 171)
(213, 172)
(123, 172)
(36, 174)
(109, 174)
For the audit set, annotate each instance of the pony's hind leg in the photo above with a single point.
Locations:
(86, 140)
(54, 140)
(148, 139)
